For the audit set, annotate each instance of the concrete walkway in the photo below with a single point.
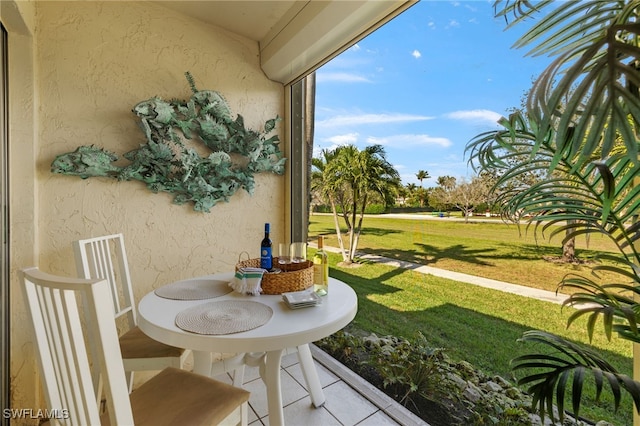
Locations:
(548, 296)
(520, 290)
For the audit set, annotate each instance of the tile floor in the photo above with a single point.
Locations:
(350, 400)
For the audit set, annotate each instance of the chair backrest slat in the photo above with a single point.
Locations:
(60, 339)
(103, 267)
(106, 257)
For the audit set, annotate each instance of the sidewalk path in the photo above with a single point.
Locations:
(548, 296)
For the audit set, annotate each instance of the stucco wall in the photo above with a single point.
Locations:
(93, 62)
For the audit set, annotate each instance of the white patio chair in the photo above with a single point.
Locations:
(171, 397)
(105, 257)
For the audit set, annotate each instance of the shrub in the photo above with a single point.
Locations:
(435, 388)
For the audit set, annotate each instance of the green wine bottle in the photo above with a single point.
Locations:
(320, 269)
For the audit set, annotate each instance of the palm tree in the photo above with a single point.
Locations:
(585, 105)
(323, 187)
(421, 175)
(351, 179)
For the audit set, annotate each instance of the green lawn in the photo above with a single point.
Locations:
(472, 323)
(491, 250)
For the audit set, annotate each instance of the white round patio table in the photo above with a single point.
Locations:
(264, 345)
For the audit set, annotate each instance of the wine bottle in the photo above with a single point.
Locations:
(320, 269)
(266, 257)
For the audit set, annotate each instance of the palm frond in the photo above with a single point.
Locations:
(599, 197)
(579, 141)
(590, 89)
(548, 374)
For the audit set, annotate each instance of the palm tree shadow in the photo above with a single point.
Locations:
(428, 254)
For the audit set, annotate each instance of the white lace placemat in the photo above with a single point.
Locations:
(224, 317)
(194, 289)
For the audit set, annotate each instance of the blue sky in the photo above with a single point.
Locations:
(424, 85)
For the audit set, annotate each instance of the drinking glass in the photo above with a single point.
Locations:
(298, 252)
(283, 255)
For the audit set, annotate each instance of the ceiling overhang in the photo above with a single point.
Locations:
(319, 31)
(295, 37)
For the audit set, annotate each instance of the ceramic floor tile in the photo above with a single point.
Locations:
(250, 374)
(255, 422)
(326, 376)
(291, 391)
(302, 413)
(290, 358)
(253, 417)
(378, 419)
(346, 404)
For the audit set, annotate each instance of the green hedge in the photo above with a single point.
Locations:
(372, 209)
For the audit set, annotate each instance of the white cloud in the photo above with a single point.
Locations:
(453, 23)
(361, 119)
(476, 116)
(409, 140)
(399, 167)
(416, 54)
(346, 139)
(332, 142)
(342, 77)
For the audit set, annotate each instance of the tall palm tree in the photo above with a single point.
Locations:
(421, 175)
(352, 179)
(323, 186)
(585, 105)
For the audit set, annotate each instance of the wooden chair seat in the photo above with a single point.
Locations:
(135, 344)
(191, 404)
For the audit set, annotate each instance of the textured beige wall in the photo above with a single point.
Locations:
(18, 19)
(93, 61)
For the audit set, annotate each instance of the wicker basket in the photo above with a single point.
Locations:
(298, 276)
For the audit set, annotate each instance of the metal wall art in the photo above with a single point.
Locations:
(167, 162)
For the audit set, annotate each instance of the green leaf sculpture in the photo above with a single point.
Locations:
(167, 162)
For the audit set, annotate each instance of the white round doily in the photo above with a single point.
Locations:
(224, 317)
(194, 289)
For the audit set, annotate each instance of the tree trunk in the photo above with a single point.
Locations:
(336, 223)
(352, 235)
(356, 239)
(569, 249)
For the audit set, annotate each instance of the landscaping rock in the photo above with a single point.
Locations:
(438, 390)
